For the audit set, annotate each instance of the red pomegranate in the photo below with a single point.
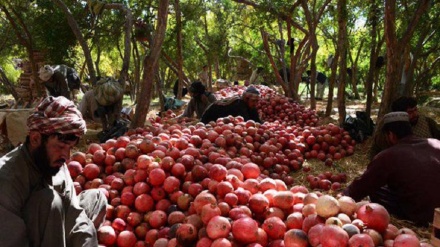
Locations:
(374, 216)
(245, 230)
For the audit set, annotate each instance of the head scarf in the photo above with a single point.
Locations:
(45, 72)
(57, 115)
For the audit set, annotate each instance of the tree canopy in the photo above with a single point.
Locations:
(232, 37)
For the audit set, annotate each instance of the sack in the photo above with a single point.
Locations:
(108, 91)
(360, 127)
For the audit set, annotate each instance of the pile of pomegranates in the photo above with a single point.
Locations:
(228, 183)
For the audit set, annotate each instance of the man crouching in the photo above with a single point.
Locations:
(38, 202)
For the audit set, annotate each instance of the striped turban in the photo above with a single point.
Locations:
(57, 115)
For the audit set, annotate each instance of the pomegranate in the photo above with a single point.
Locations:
(327, 206)
(314, 234)
(126, 239)
(258, 203)
(406, 240)
(208, 211)
(295, 238)
(245, 230)
(274, 227)
(158, 218)
(106, 235)
(218, 227)
(294, 221)
(374, 216)
(186, 234)
(361, 240)
(283, 199)
(347, 205)
(333, 236)
(202, 199)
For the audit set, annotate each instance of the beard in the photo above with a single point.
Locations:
(42, 161)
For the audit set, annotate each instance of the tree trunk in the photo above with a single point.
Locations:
(342, 47)
(150, 66)
(395, 59)
(76, 31)
(179, 58)
(27, 41)
(8, 84)
(137, 71)
(279, 79)
(373, 56)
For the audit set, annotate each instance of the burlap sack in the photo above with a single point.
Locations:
(108, 91)
(16, 125)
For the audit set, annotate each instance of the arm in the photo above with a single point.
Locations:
(80, 229)
(371, 180)
(189, 110)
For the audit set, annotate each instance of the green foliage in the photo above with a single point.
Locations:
(229, 31)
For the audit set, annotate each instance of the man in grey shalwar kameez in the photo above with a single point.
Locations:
(38, 202)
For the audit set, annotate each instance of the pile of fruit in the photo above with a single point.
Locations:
(230, 183)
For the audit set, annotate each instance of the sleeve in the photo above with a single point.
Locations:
(81, 231)
(189, 110)
(371, 180)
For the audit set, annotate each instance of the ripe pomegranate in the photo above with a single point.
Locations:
(333, 236)
(295, 237)
(361, 240)
(126, 239)
(245, 230)
(218, 227)
(406, 240)
(186, 234)
(327, 206)
(258, 203)
(106, 235)
(274, 227)
(374, 216)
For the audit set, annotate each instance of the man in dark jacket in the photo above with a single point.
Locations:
(235, 106)
(404, 177)
(54, 81)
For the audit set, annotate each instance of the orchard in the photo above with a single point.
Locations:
(232, 183)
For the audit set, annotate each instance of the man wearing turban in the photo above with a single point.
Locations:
(244, 106)
(38, 201)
